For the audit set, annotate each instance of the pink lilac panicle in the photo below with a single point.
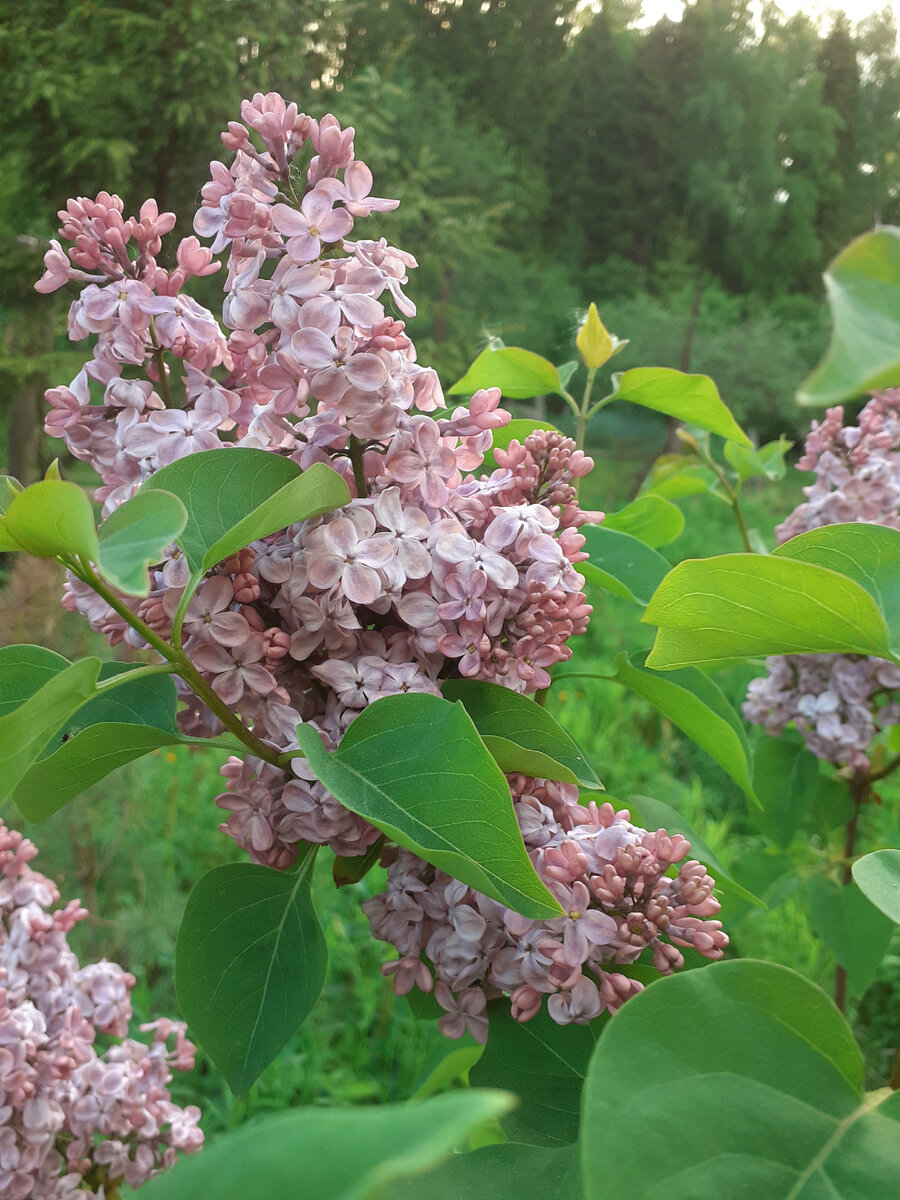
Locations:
(839, 702)
(611, 879)
(435, 569)
(75, 1120)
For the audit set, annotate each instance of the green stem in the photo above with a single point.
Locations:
(732, 498)
(289, 188)
(184, 668)
(159, 356)
(860, 790)
(356, 453)
(741, 523)
(888, 769)
(104, 685)
(581, 420)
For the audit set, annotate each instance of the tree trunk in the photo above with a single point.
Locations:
(28, 336)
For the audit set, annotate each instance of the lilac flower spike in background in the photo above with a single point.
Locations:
(839, 702)
(72, 1119)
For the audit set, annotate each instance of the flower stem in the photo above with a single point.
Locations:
(860, 790)
(182, 666)
(581, 420)
(355, 452)
(159, 356)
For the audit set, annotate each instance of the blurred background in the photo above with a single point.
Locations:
(690, 169)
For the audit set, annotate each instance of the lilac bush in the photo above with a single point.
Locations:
(83, 1107)
(438, 567)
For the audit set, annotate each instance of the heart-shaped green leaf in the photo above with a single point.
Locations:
(519, 374)
(691, 398)
(735, 605)
(525, 729)
(415, 766)
(868, 554)
(877, 876)
(863, 289)
(329, 1153)
(53, 519)
(696, 704)
(38, 696)
(787, 783)
(621, 564)
(545, 1065)
(499, 1172)
(651, 519)
(135, 534)
(236, 496)
(114, 728)
(852, 928)
(249, 965)
(773, 1081)
(767, 461)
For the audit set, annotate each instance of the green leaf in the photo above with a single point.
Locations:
(249, 965)
(877, 876)
(26, 729)
(566, 370)
(696, 704)
(415, 767)
(651, 519)
(674, 476)
(331, 1153)
(517, 430)
(852, 928)
(545, 1065)
(114, 728)
(621, 564)
(737, 605)
(53, 519)
(867, 554)
(236, 496)
(691, 398)
(787, 781)
(522, 724)
(863, 289)
(519, 374)
(24, 669)
(767, 461)
(772, 1079)
(448, 1065)
(656, 815)
(134, 536)
(501, 1172)
(9, 489)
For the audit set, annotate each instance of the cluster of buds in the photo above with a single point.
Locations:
(434, 569)
(839, 702)
(74, 1120)
(610, 878)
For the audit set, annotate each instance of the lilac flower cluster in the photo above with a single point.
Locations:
(609, 876)
(432, 570)
(839, 702)
(74, 1121)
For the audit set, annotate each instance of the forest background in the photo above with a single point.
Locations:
(692, 178)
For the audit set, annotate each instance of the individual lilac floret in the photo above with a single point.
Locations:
(74, 1121)
(839, 702)
(611, 879)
